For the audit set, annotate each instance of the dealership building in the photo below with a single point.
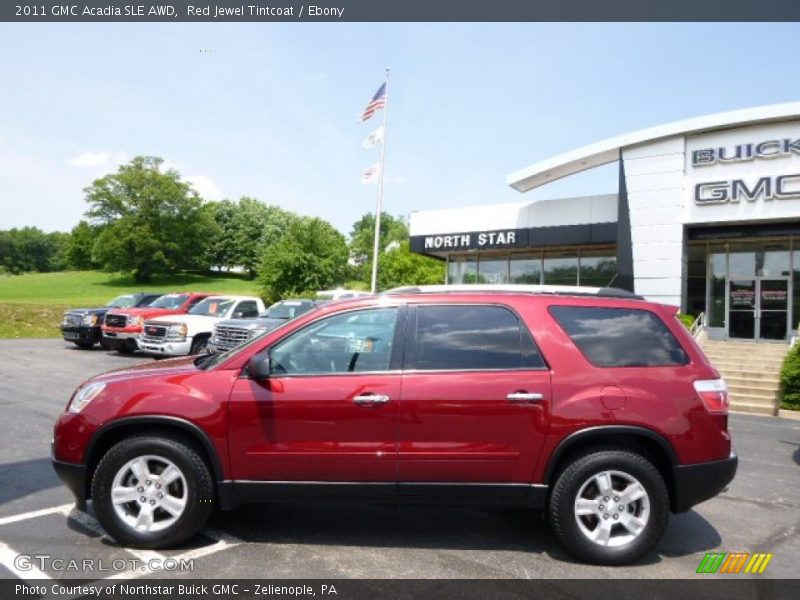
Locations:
(706, 216)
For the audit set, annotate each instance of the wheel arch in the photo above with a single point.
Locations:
(116, 431)
(646, 442)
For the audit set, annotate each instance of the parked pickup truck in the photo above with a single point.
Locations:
(235, 332)
(121, 328)
(179, 335)
(81, 326)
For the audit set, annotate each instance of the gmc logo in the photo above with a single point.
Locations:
(784, 187)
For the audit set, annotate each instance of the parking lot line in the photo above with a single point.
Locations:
(64, 509)
(8, 558)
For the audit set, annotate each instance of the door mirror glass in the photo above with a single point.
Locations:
(258, 367)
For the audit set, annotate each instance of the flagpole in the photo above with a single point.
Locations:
(377, 245)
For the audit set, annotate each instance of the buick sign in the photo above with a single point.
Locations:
(745, 152)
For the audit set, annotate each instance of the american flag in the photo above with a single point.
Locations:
(378, 101)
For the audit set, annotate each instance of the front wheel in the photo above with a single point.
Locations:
(152, 492)
(609, 507)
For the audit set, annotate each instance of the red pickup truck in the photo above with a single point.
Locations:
(122, 327)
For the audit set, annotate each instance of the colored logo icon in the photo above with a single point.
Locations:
(734, 562)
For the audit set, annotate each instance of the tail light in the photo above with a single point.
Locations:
(714, 394)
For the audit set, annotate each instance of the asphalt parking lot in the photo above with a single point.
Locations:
(759, 513)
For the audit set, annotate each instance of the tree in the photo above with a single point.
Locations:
(311, 256)
(247, 227)
(80, 244)
(362, 238)
(30, 249)
(152, 221)
(399, 267)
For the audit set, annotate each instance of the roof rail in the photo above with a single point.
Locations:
(511, 288)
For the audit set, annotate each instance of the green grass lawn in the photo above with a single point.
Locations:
(32, 305)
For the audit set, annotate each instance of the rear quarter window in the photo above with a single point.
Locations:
(620, 337)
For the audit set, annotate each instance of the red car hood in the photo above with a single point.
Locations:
(172, 366)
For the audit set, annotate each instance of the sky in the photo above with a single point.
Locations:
(270, 110)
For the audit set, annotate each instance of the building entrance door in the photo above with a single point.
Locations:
(758, 308)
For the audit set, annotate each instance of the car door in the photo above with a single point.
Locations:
(475, 395)
(328, 411)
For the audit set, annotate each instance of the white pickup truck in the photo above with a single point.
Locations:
(179, 335)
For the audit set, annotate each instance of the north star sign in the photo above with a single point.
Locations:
(485, 239)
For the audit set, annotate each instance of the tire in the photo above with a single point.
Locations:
(200, 344)
(189, 496)
(635, 527)
(104, 344)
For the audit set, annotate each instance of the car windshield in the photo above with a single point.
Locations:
(170, 301)
(288, 309)
(213, 307)
(125, 301)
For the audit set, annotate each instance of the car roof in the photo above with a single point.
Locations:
(560, 290)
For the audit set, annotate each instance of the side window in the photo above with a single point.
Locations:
(620, 337)
(346, 343)
(467, 337)
(195, 301)
(247, 309)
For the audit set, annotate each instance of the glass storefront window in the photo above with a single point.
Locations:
(718, 258)
(696, 279)
(462, 269)
(597, 268)
(493, 269)
(526, 269)
(561, 268)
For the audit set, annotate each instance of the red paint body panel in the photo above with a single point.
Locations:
(309, 429)
(461, 426)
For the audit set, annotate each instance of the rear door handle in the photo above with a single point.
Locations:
(524, 397)
(367, 399)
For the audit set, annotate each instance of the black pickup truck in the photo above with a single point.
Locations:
(81, 326)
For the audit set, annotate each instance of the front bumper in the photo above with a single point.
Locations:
(116, 339)
(81, 333)
(696, 483)
(166, 348)
(74, 477)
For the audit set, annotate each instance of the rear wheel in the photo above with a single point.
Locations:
(609, 507)
(152, 492)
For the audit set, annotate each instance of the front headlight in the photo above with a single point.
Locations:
(134, 320)
(256, 332)
(84, 396)
(179, 329)
(89, 320)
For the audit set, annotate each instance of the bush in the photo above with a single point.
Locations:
(687, 320)
(790, 379)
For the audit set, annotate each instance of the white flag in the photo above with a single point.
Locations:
(370, 173)
(373, 138)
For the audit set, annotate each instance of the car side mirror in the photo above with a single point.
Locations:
(258, 366)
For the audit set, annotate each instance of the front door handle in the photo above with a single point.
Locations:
(524, 397)
(368, 399)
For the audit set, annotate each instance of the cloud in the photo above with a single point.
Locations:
(97, 159)
(205, 186)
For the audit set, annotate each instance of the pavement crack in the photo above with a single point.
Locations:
(779, 502)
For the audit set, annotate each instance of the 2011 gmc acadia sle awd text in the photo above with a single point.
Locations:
(591, 404)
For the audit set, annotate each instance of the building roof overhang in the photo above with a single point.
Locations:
(608, 151)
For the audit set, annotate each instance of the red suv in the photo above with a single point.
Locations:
(121, 328)
(596, 406)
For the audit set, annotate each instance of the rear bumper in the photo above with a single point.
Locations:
(696, 483)
(81, 333)
(74, 477)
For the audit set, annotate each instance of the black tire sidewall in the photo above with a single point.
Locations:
(199, 345)
(565, 491)
(199, 483)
